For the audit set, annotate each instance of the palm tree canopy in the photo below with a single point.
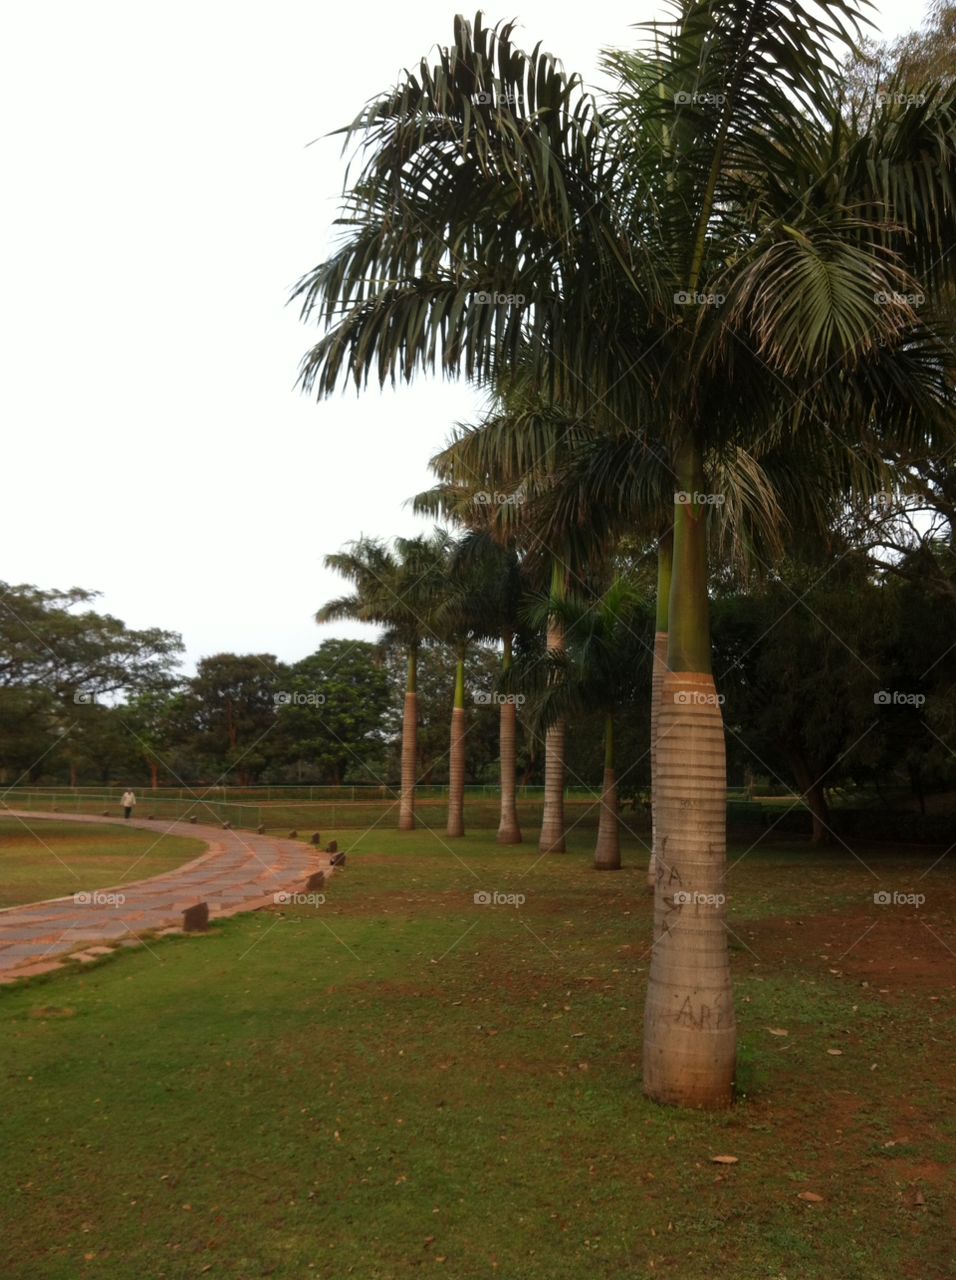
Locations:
(395, 588)
(503, 220)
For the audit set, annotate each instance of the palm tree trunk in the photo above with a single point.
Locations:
(607, 851)
(665, 559)
(456, 756)
(552, 837)
(406, 804)
(509, 832)
(689, 1028)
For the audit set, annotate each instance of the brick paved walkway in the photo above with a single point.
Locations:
(238, 872)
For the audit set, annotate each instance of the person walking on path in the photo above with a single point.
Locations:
(127, 802)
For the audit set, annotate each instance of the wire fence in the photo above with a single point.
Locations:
(308, 809)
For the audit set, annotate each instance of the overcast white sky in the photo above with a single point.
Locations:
(160, 201)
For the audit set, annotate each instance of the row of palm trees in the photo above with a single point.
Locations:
(578, 652)
(727, 278)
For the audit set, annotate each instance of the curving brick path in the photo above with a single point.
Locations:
(238, 872)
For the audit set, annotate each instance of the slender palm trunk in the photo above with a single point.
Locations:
(607, 851)
(456, 755)
(689, 1028)
(509, 832)
(665, 559)
(406, 804)
(552, 838)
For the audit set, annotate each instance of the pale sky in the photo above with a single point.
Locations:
(161, 199)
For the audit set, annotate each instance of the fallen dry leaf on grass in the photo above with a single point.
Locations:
(811, 1197)
(778, 1031)
(724, 1160)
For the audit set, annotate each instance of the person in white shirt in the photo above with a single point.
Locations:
(127, 802)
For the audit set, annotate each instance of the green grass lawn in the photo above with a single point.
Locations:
(401, 1081)
(53, 859)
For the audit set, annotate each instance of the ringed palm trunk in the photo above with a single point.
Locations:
(406, 803)
(689, 1028)
(456, 755)
(607, 851)
(509, 831)
(665, 556)
(552, 838)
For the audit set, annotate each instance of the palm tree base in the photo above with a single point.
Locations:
(554, 844)
(689, 1027)
(509, 835)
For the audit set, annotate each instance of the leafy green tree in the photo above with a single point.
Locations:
(60, 659)
(332, 710)
(228, 713)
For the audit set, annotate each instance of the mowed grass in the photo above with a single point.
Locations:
(48, 859)
(399, 1081)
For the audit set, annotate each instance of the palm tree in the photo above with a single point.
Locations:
(465, 613)
(598, 672)
(397, 589)
(490, 549)
(714, 256)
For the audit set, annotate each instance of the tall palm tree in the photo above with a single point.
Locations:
(598, 672)
(465, 613)
(713, 255)
(397, 589)
(490, 548)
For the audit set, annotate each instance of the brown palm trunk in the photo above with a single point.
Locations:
(456, 774)
(406, 804)
(153, 775)
(657, 684)
(456, 755)
(509, 830)
(689, 1026)
(689, 1029)
(607, 851)
(665, 564)
(552, 838)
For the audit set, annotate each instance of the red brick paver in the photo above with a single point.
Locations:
(238, 872)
